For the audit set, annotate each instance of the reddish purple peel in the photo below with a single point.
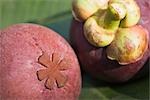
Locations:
(40, 53)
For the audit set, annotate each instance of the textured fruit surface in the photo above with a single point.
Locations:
(26, 51)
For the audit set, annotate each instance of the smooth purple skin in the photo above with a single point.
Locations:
(94, 60)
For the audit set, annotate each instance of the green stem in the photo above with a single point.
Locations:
(115, 13)
(110, 23)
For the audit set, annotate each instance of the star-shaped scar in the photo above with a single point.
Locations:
(54, 65)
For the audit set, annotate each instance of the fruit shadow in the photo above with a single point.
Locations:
(93, 89)
(135, 89)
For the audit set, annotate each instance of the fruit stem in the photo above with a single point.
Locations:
(115, 13)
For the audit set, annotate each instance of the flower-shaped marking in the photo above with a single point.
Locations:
(52, 74)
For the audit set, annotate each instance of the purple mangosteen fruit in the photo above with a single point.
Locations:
(111, 37)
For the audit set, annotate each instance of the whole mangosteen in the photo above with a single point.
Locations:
(37, 64)
(111, 37)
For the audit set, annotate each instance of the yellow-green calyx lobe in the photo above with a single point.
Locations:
(129, 45)
(83, 9)
(100, 29)
(96, 35)
(113, 23)
(133, 12)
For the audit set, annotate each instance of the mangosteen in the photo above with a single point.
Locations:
(37, 64)
(111, 37)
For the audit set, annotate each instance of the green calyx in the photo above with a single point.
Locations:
(83, 9)
(113, 23)
(129, 45)
(100, 29)
(115, 13)
(133, 12)
(96, 35)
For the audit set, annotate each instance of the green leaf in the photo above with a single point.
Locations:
(20, 11)
(96, 89)
(56, 14)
